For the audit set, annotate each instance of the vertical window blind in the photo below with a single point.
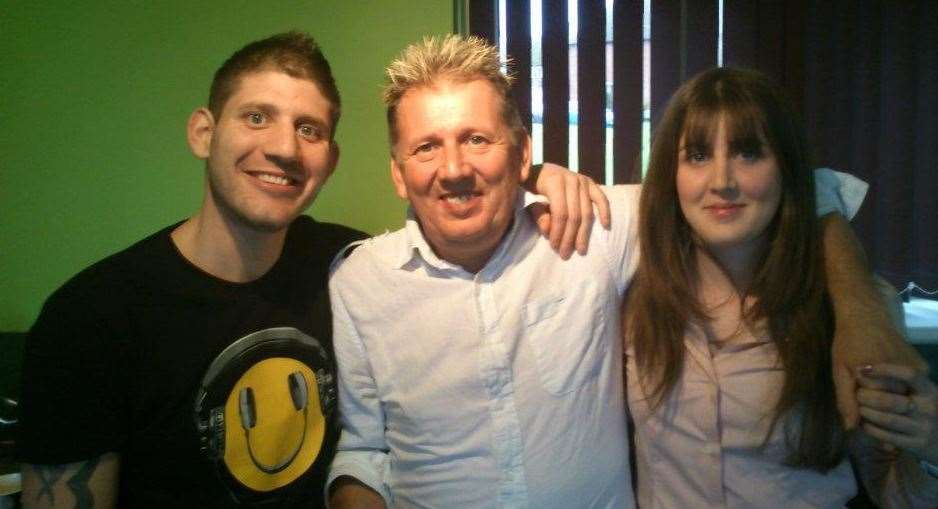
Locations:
(593, 99)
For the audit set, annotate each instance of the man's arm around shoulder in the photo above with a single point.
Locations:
(84, 485)
(865, 333)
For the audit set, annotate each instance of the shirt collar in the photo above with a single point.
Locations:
(415, 247)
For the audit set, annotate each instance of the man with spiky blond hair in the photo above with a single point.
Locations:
(477, 368)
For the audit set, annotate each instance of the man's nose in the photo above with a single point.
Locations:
(455, 165)
(281, 143)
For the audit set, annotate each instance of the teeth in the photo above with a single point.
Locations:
(457, 198)
(273, 179)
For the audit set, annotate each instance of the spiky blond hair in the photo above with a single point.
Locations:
(454, 58)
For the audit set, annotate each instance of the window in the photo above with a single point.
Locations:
(585, 73)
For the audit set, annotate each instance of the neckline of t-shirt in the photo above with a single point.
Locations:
(207, 276)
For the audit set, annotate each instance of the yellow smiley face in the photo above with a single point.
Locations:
(269, 441)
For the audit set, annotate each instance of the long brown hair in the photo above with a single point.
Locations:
(788, 286)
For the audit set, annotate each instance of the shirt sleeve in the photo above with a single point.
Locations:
(621, 240)
(838, 192)
(362, 451)
(72, 404)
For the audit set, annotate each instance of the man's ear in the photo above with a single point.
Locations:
(397, 176)
(525, 159)
(333, 156)
(199, 132)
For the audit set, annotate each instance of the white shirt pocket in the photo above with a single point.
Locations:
(567, 333)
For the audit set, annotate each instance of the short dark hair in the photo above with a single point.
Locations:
(294, 53)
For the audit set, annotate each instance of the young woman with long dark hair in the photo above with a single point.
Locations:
(728, 325)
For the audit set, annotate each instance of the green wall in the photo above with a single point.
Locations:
(94, 104)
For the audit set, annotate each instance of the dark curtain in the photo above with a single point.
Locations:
(556, 81)
(627, 91)
(767, 35)
(518, 14)
(871, 108)
(864, 75)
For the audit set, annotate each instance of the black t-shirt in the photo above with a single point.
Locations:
(118, 357)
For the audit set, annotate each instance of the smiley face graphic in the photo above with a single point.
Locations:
(263, 408)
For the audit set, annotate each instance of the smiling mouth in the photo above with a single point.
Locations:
(280, 180)
(459, 198)
(725, 206)
(725, 211)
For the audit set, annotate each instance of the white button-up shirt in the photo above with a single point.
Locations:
(496, 389)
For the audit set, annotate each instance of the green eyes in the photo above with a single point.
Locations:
(307, 131)
(256, 118)
(427, 151)
(750, 155)
(700, 157)
(696, 157)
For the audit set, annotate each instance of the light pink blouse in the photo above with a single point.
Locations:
(703, 446)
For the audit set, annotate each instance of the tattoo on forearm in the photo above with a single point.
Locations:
(48, 476)
(84, 499)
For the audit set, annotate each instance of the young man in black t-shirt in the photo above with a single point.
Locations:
(194, 369)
